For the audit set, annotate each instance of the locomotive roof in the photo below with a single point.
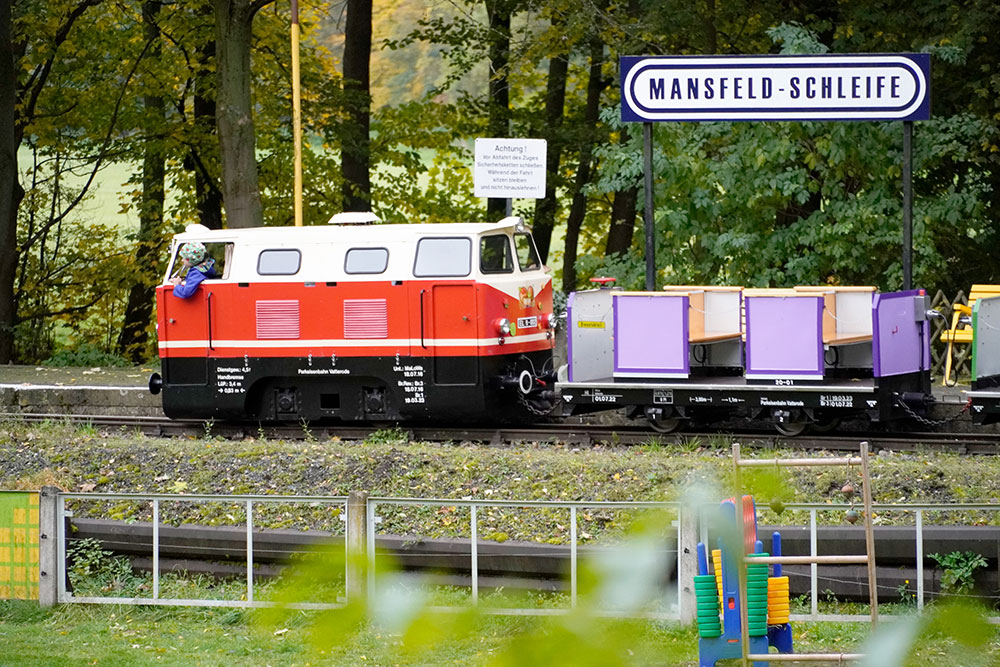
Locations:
(346, 232)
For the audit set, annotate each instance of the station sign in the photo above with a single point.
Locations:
(773, 88)
(509, 168)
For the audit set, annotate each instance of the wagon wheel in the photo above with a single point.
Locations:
(791, 429)
(662, 424)
(826, 425)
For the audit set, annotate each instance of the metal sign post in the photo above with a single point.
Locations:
(882, 86)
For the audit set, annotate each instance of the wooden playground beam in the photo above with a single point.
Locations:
(806, 657)
(806, 560)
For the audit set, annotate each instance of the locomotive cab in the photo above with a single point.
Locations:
(359, 321)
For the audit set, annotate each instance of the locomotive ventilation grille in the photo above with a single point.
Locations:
(278, 319)
(365, 318)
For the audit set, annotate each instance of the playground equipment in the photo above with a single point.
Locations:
(767, 601)
(755, 609)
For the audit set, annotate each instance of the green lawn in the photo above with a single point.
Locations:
(125, 636)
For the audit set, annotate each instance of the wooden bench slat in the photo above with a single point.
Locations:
(847, 340)
(715, 338)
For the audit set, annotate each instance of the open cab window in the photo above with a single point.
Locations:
(527, 254)
(222, 253)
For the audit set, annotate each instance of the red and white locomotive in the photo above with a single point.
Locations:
(359, 321)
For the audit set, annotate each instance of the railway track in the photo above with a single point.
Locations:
(576, 435)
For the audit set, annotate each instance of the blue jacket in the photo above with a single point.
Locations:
(195, 275)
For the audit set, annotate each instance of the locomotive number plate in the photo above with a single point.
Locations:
(527, 322)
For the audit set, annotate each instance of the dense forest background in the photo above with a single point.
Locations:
(195, 99)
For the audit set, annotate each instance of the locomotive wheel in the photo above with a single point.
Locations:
(791, 429)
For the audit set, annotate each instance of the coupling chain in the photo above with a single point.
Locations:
(924, 420)
(537, 411)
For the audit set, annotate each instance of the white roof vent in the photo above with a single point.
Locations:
(354, 218)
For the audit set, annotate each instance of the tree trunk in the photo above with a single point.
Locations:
(545, 209)
(205, 160)
(711, 33)
(498, 14)
(622, 221)
(11, 191)
(134, 334)
(240, 184)
(355, 151)
(578, 209)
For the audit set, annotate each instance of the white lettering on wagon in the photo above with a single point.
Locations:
(836, 401)
(599, 397)
(791, 404)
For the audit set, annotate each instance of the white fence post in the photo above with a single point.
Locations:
(357, 531)
(48, 546)
(687, 566)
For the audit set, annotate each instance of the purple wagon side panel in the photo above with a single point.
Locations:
(784, 337)
(651, 335)
(901, 344)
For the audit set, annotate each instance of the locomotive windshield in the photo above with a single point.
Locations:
(527, 255)
(494, 254)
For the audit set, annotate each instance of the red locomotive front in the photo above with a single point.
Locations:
(356, 321)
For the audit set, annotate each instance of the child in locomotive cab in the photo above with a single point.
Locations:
(199, 266)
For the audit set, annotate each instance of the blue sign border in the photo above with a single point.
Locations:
(634, 111)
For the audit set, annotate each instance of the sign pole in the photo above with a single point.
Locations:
(907, 204)
(296, 115)
(647, 159)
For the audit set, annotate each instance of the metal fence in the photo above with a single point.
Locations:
(367, 519)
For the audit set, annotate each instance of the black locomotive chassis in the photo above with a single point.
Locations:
(883, 399)
(347, 388)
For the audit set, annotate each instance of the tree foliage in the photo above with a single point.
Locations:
(741, 203)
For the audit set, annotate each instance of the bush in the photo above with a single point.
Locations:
(86, 355)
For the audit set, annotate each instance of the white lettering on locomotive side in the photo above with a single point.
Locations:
(324, 371)
(229, 380)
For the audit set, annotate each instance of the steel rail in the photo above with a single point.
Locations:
(582, 435)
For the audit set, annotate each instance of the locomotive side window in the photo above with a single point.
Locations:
(494, 254)
(443, 257)
(527, 255)
(366, 260)
(279, 262)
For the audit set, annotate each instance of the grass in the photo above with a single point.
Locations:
(126, 636)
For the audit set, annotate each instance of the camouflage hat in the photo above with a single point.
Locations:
(193, 252)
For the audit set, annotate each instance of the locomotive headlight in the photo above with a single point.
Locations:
(547, 321)
(503, 326)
